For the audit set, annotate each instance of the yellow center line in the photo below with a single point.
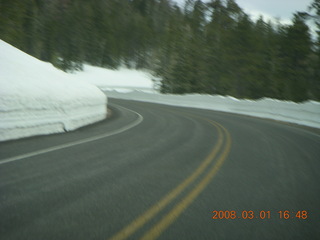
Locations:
(156, 208)
(168, 219)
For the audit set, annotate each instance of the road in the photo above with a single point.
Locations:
(152, 171)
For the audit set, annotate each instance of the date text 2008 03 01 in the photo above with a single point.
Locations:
(282, 214)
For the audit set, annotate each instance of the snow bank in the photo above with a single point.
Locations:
(307, 113)
(137, 85)
(36, 98)
(121, 80)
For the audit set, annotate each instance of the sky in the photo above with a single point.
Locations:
(282, 9)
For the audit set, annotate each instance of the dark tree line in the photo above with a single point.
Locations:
(212, 48)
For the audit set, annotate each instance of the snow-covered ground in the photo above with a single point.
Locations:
(122, 80)
(137, 85)
(307, 113)
(36, 98)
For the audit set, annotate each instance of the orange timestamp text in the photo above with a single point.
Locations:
(283, 214)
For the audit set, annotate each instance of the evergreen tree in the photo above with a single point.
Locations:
(219, 42)
(296, 51)
(211, 47)
(314, 89)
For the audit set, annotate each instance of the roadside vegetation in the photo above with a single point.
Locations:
(212, 48)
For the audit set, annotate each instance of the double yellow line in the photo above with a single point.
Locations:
(223, 146)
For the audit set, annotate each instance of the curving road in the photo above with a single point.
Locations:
(152, 171)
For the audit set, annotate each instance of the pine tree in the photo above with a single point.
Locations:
(296, 50)
(314, 89)
(219, 42)
(211, 47)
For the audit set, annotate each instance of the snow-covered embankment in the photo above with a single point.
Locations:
(36, 98)
(137, 85)
(307, 113)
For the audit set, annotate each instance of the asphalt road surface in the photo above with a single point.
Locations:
(152, 171)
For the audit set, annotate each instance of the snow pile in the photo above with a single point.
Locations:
(307, 113)
(36, 98)
(137, 85)
(122, 80)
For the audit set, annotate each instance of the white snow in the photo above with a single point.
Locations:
(36, 98)
(122, 80)
(307, 113)
(138, 85)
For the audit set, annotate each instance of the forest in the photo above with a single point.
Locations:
(203, 47)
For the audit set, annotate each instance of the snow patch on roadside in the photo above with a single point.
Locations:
(138, 85)
(307, 113)
(36, 98)
(121, 80)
